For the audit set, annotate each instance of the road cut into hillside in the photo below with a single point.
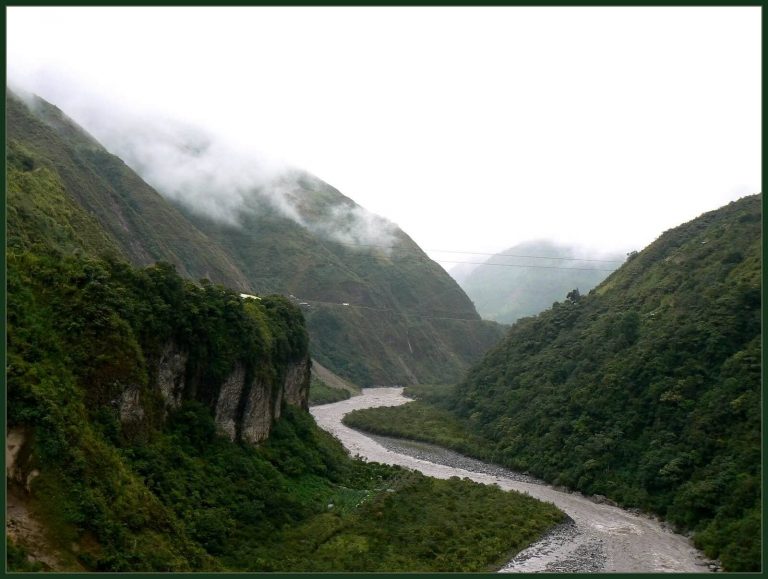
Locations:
(598, 537)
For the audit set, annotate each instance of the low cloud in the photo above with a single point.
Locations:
(218, 177)
(355, 226)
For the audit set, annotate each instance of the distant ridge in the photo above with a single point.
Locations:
(530, 285)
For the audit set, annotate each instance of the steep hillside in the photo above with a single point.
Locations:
(100, 358)
(647, 390)
(406, 319)
(158, 425)
(326, 387)
(98, 188)
(524, 285)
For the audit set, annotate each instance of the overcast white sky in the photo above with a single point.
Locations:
(471, 128)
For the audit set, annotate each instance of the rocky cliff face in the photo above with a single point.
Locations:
(296, 385)
(261, 402)
(228, 403)
(171, 373)
(245, 408)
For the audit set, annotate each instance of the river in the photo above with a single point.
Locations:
(598, 537)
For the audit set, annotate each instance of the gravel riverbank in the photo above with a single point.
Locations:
(586, 557)
(446, 457)
(599, 536)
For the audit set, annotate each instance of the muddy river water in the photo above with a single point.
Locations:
(597, 538)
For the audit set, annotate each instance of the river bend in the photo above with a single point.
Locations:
(598, 537)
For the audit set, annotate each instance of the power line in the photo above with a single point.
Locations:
(529, 256)
(486, 253)
(521, 265)
(424, 258)
(417, 248)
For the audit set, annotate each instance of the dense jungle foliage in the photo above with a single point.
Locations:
(428, 419)
(81, 331)
(647, 390)
(172, 495)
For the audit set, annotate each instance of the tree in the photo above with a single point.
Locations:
(573, 296)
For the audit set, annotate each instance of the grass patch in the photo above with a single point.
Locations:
(434, 394)
(321, 393)
(418, 524)
(421, 421)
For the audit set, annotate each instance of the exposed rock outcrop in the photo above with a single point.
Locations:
(296, 386)
(131, 410)
(171, 372)
(244, 408)
(263, 402)
(15, 441)
(258, 414)
(228, 403)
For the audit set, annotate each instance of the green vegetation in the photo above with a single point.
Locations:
(426, 419)
(82, 185)
(308, 507)
(41, 214)
(321, 393)
(67, 189)
(169, 494)
(80, 333)
(506, 294)
(429, 525)
(17, 558)
(648, 389)
(435, 394)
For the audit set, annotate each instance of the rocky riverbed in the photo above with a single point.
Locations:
(598, 537)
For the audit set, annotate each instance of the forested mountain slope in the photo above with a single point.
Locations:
(157, 425)
(50, 155)
(647, 390)
(524, 286)
(103, 361)
(406, 319)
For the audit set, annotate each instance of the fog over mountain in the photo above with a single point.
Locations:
(378, 310)
(529, 277)
(476, 131)
(213, 175)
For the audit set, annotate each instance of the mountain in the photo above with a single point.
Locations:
(532, 276)
(460, 272)
(158, 424)
(109, 209)
(406, 320)
(378, 310)
(103, 360)
(647, 390)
